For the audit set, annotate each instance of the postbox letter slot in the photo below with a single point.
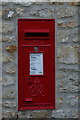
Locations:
(36, 34)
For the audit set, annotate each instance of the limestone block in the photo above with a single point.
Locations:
(68, 54)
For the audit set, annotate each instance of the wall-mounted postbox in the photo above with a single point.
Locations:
(36, 64)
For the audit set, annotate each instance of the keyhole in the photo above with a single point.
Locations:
(36, 48)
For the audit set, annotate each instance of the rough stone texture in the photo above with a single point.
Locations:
(74, 3)
(7, 27)
(8, 114)
(20, 11)
(68, 54)
(72, 100)
(10, 69)
(7, 80)
(9, 39)
(42, 114)
(65, 12)
(8, 104)
(25, 4)
(61, 113)
(70, 24)
(66, 18)
(63, 37)
(6, 59)
(56, 3)
(8, 13)
(74, 113)
(0, 39)
(0, 14)
(59, 102)
(8, 94)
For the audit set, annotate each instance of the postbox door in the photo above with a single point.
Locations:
(38, 77)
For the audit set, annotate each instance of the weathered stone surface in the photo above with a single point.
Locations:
(66, 68)
(0, 28)
(54, 2)
(7, 27)
(0, 38)
(0, 13)
(67, 54)
(75, 113)
(6, 58)
(75, 39)
(10, 69)
(68, 83)
(0, 104)
(20, 11)
(0, 49)
(8, 13)
(42, 12)
(23, 114)
(0, 58)
(68, 87)
(73, 78)
(34, 11)
(43, 114)
(73, 88)
(8, 39)
(70, 24)
(45, 12)
(72, 100)
(7, 80)
(24, 3)
(38, 2)
(11, 48)
(63, 88)
(8, 104)
(4, 12)
(59, 102)
(8, 94)
(65, 11)
(8, 114)
(61, 113)
(0, 79)
(74, 3)
(4, 3)
(0, 3)
(63, 37)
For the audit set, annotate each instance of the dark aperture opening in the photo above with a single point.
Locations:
(36, 34)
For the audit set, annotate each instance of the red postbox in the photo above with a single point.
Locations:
(36, 64)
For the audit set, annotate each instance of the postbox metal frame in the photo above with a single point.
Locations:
(22, 104)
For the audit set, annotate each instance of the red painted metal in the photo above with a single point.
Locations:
(36, 91)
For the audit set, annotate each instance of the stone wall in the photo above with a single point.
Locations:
(66, 17)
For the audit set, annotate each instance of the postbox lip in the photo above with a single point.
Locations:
(36, 19)
(37, 30)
